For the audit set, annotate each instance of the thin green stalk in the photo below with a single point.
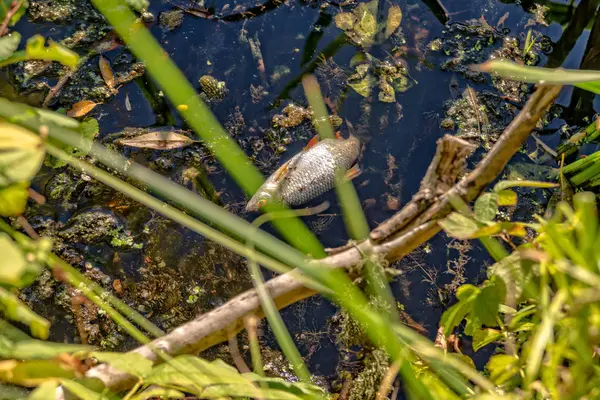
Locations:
(268, 305)
(355, 220)
(198, 115)
(281, 333)
(257, 365)
(354, 217)
(543, 337)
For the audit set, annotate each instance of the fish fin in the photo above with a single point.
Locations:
(312, 142)
(353, 172)
(281, 171)
(338, 135)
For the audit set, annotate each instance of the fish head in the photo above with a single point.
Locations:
(266, 194)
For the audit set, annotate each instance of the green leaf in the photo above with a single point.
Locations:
(297, 388)
(19, 165)
(21, 154)
(458, 226)
(33, 372)
(215, 380)
(85, 393)
(159, 392)
(486, 207)
(345, 21)
(54, 52)
(16, 310)
(9, 44)
(510, 228)
(201, 371)
(393, 20)
(507, 198)
(13, 199)
(503, 367)
(486, 304)
(485, 336)
(500, 186)
(131, 363)
(47, 390)
(360, 25)
(13, 262)
(362, 81)
(221, 391)
(38, 349)
(454, 315)
(438, 389)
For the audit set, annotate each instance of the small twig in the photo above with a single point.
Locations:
(543, 145)
(35, 196)
(55, 91)
(14, 7)
(251, 325)
(235, 353)
(386, 382)
(27, 227)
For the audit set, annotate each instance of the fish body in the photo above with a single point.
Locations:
(309, 173)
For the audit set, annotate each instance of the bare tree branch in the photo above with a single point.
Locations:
(401, 234)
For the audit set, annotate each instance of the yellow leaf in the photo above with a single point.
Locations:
(106, 72)
(17, 137)
(33, 372)
(81, 108)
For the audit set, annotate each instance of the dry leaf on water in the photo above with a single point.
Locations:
(107, 72)
(158, 140)
(81, 108)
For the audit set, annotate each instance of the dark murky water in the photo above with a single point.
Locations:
(201, 46)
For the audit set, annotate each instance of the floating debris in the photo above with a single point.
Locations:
(107, 72)
(213, 89)
(293, 115)
(159, 140)
(128, 103)
(361, 24)
(389, 76)
(171, 20)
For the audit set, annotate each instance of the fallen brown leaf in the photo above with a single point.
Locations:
(158, 140)
(81, 108)
(107, 72)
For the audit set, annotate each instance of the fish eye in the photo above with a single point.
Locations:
(261, 203)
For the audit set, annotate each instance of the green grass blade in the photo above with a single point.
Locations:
(354, 217)
(203, 122)
(512, 70)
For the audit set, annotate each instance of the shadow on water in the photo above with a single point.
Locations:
(294, 38)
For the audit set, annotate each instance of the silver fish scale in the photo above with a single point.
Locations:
(313, 173)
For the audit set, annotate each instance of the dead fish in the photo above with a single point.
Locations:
(309, 173)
